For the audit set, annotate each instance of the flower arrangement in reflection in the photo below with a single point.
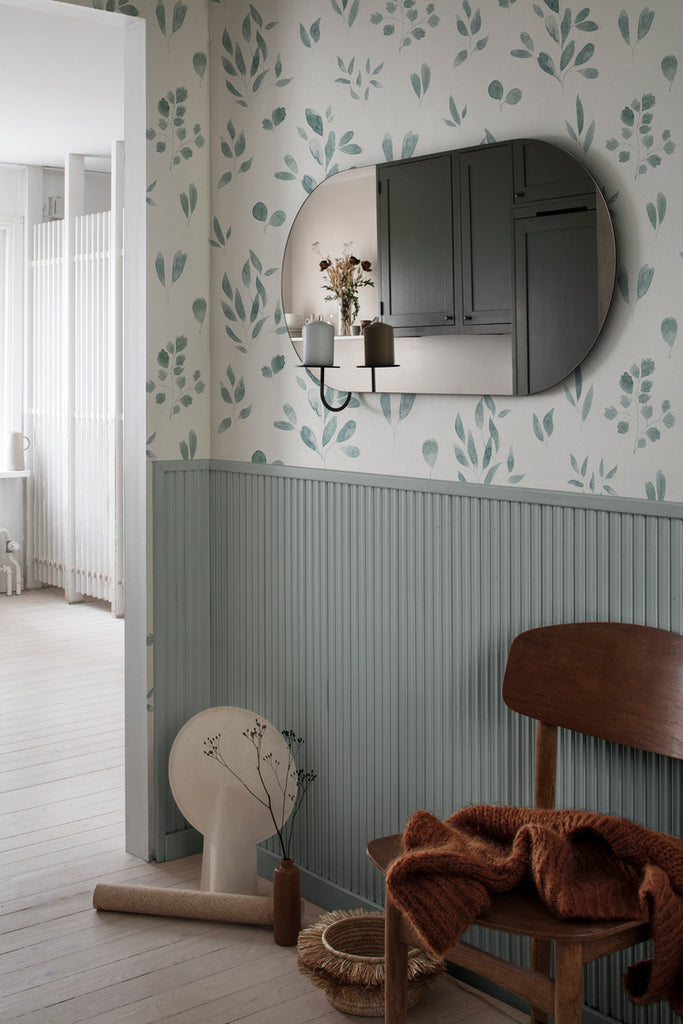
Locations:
(268, 766)
(344, 276)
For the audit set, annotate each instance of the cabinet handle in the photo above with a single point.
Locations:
(466, 317)
(448, 317)
(519, 195)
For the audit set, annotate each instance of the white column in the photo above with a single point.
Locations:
(74, 206)
(116, 327)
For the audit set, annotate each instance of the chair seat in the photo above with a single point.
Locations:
(521, 911)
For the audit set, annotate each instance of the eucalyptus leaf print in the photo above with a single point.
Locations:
(405, 21)
(177, 267)
(148, 446)
(245, 305)
(430, 453)
(469, 28)
(479, 453)
(171, 134)
(669, 67)
(150, 188)
(188, 449)
(221, 236)
(577, 133)
(543, 428)
(188, 200)
(395, 412)
(310, 36)
(233, 148)
(637, 144)
(233, 394)
(583, 403)
(199, 310)
(170, 25)
(457, 116)
(116, 7)
(497, 92)
(247, 62)
(656, 212)
(637, 414)
(200, 64)
(408, 145)
(258, 458)
(276, 118)
(656, 491)
(669, 330)
(172, 386)
(330, 432)
(643, 282)
(645, 19)
(346, 9)
(571, 53)
(260, 213)
(359, 77)
(323, 145)
(592, 481)
(277, 364)
(421, 82)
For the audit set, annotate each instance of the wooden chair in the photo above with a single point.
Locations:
(615, 681)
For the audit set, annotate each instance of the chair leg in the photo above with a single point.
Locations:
(395, 967)
(541, 950)
(568, 983)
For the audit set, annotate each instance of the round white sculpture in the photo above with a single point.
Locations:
(225, 767)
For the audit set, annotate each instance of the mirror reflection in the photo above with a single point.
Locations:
(494, 265)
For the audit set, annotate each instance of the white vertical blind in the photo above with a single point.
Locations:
(82, 416)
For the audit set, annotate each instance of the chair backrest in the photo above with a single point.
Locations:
(613, 680)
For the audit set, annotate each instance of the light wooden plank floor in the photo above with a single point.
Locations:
(62, 831)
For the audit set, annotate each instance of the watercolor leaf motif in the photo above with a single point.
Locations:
(276, 118)
(497, 92)
(405, 407)
(245, 306)
(346, 9)
(457, 116)
(177, 268)
(188, 449)
(656, 491)
(572, 54)
(330, 432)
(669, 330)
(172, 386)
(576, 133)
(645, 20)
(200, 63)
(323, 146)
(430, 453)
(169, 28)
(656, 212)
(645, 276)
(576, 398)
(543, 429)
(669, 67)
(233, 394)
(480, 455)
(116, 7)
(592, 481)
(358, 79)
(260, 213)
(221, 237)
(233, 148)
(277, 364)
(469, 27)
(171, 135)
(309, 36)
(637, 136)
(402, 19)
(246, 62)
(188, 200)
(421, 82)
(636, 412)
(410, 140)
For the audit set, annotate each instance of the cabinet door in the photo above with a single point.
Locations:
(485, 203)
(415, 253)
(557, 315)
(543, 171)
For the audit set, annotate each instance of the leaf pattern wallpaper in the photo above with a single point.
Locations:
(251, 105)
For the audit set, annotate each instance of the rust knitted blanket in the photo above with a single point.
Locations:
(583, 865)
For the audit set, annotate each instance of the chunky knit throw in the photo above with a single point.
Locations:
(583, 865)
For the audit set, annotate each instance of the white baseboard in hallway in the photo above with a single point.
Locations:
(62, 832)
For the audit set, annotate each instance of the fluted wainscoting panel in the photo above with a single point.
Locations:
(373, 616)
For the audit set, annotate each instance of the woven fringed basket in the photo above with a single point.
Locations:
(343, 953)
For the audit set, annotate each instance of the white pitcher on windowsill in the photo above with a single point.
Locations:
(14, 451)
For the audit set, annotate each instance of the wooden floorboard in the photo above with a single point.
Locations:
(62, 831)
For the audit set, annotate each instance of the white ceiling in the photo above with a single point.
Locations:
(61, 79)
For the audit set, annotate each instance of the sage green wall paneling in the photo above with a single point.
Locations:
(374, 615)
(182, 633)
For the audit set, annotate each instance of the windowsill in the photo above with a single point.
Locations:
(10, 474)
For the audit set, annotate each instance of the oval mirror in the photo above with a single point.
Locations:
(494, 265)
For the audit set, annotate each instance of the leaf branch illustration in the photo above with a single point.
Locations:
(469, 27)
(172, 386)
(402, 19)
(233, 149)
(636, 412)
(247, 63)
(569, 55)
(637, 137)
(171, 134)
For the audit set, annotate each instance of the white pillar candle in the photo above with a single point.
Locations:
(318, 343)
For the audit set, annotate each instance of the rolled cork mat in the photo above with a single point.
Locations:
(205, 906)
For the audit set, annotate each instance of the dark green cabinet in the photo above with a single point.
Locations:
(543, 171)
(445, 243)
(556, 290)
